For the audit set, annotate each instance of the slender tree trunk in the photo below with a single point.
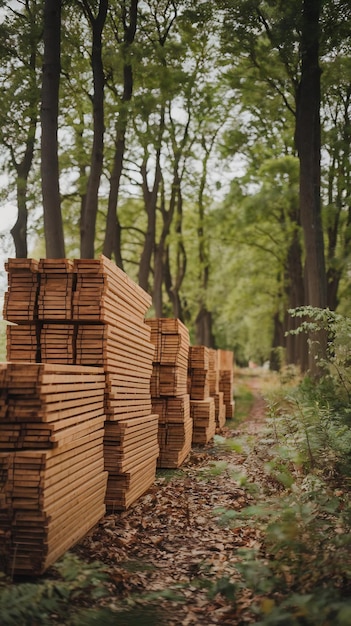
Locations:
(174, 283)
(88, 219)
(296, 345)
(19, 230)
(150, 203)
(204, 335)
(53, 226)
(278, 342)
(308, 139)
(339, 182)
(112, 241)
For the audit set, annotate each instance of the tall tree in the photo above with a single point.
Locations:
(19, 113)
(90, 208)
(53, 226)
(308, 142)
(112, 241)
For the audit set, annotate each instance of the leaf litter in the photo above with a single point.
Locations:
(171, 551)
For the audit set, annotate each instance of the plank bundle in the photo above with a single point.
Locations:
(170, 399)
(21, 298)
(204, 421)
(199, 387)
(130, 450)
(170, 364)
(126, 357)
(110, 309)
(202, 405)
(88, 312)
(56, 286)
(22, 342)
(57, 343)
(213, 381)
(226, 380)
(175, 429)
(52, 477)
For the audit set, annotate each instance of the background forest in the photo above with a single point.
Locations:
(204, 146)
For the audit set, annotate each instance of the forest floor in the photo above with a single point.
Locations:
(171, 560)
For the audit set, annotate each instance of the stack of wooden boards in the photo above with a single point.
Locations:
(226, 380)
(202, 405)
(93, 397)
(110, 309)
(89, 313)
(52, 478)
(169, 390)
(213, 384)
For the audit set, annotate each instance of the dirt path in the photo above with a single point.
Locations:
(171, 556)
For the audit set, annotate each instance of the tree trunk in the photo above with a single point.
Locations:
(88, 219)
(277, 343)
(203, 324)
(112, 241)
(173, 284)
(296, 345)
(53, 226)
(19, 230)
(204, 334)
(150, 202)
(308, 141)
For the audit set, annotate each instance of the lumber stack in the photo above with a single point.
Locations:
(22, 342)
(56, 284)
(52, 477)
(170, 399)
(88, 312)
(226, 380)
(21, 298)
(57, 343)
(110, 309)
(213, 379)
(202, 405)
(131, 450)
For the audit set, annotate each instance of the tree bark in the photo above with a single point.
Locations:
(296, 345)
(150, 196)
(53, 226)
(88, 218)
(308, 142)
(112, 241)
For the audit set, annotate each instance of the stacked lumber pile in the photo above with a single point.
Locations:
(23, 343)
(56, 284)
(202, 405)
(213, 380)
(226, 380)
(110, 309)
(52, 477)
(21, 298)
(90, 313)
(170, 399)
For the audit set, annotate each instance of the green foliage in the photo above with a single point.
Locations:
(61, 599)
(299, 568)
(45, 602)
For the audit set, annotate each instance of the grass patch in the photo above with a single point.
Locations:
(244, 400)
(168, 474)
